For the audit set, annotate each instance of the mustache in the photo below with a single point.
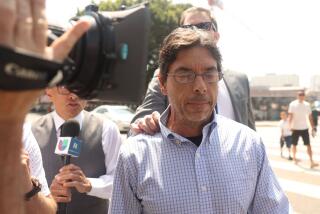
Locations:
(199, 99)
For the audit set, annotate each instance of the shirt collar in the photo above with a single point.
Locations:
(176, 138)
(58, 121)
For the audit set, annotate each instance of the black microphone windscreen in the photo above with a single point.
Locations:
(70, 128)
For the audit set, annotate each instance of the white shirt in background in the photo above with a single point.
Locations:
(285, 128)
(224, 103)
(300, 112)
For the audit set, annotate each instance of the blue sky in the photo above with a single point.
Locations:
(257, 36)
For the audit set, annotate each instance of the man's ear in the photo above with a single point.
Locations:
(48, 92)
(216, 37)
(163, 84)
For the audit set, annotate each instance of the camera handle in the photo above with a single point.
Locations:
(24, 71)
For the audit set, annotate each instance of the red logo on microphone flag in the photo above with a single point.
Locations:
(63, 144)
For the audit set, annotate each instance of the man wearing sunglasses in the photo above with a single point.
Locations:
(233, 100)
(208, 26)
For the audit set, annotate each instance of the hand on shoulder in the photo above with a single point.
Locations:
(149, 124)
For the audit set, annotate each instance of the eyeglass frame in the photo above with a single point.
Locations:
(65, 92)
(194, 75)
(210, 26)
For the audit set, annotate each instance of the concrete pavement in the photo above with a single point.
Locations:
(301, 184)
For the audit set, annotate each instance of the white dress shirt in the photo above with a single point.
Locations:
(224, 103)
(31, 146)
(111, 141)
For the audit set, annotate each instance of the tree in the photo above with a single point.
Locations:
(164, 18)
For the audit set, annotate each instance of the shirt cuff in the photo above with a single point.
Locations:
(99, 188)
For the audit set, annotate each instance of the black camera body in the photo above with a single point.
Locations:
(109, 61)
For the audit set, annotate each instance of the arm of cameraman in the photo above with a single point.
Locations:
(42, 202)
(154, 101)
(39, 203)
(23, 26)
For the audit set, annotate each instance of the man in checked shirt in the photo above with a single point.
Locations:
(199, 162)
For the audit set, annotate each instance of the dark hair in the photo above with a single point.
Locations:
(184, 38)
(197, 10)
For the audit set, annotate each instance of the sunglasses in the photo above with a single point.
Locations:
(203, 26)
(63, 90)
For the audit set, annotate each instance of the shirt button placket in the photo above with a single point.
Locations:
(203, 188)
(201, 179)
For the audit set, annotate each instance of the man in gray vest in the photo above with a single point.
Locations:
(86, 184)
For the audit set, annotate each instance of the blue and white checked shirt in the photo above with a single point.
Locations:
(166, 173)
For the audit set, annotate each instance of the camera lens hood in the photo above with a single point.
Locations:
(90, 56)
(110, 58)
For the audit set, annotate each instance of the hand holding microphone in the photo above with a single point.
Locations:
(72, 176)
(68, 145)
(60, 193)
(69, 176)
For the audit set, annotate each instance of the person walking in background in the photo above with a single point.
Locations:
(299, 114)
(234, 99)
(286, 134)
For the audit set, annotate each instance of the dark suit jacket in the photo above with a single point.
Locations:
(238, 87)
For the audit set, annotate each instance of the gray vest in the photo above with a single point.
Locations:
(91, 159)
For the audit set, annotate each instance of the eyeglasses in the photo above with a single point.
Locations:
(202, 25)
(189, 76)
(63, 90)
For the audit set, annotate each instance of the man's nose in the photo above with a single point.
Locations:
(73, 96)
(199, 84)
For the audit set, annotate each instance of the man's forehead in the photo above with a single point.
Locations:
(197, 52)
(196, 18)
(195, 58)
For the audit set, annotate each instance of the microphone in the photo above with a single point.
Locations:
(68, 145)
